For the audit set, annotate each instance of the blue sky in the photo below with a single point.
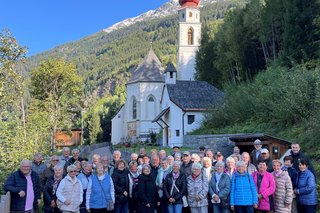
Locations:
(43, 24)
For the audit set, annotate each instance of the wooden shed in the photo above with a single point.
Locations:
(68, 137)
(276, 146)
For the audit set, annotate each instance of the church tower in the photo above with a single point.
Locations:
(189, 35)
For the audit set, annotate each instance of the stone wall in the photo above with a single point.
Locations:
(217, 143)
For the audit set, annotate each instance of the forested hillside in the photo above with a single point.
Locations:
(106, 59)
(105, 62)
(266, 57)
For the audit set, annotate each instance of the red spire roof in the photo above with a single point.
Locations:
(189, 3)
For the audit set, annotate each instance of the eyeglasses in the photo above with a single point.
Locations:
(55, 160)
(73, 171)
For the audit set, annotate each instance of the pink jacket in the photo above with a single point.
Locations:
(267, 188)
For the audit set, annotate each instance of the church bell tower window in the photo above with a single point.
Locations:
(190, 36)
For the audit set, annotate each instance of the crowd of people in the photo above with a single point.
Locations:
(180, 182)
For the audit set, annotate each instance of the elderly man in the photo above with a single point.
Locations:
(96, 158)
(107, 167)
(24, 187)
(256, 153)
(186, 164)
(116, 157)
(48, 172)
(250, 168)
(75, 157)
(37, 165)
(162, 154)
(265, 156)
(65, 156)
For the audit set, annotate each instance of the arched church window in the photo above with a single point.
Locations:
(183, 15)
(151, 107)
(190, 14)
(134, 108)
(190, 36)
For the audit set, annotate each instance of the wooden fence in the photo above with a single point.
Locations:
(5, 203)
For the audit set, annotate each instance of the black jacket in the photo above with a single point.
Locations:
(17, 182)
(147, 194)
(181, 183)
(120, 181)
(48, 196)
(297, 157)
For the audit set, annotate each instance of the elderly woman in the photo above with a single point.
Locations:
(207, 168)
(306, 190)
(283, 194)
(265, 186)
(170, 160)
(100, 192)
(195, 158)
(174, 188)
(121, 184)
(147, 191)
(219, 188)
(69, 192)
(164, 170)
(50, 189)
(231, 166)
(133, 186)
(243, 195)
(198, 188)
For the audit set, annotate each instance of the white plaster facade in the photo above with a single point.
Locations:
(189, 35)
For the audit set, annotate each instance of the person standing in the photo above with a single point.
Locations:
(243, 195)
(297, 155)
(50, 189)
(265, 185)
(256, 153)
(219, 188)
(65, 156)
(147, 191)
(75, 157)
(250, 168)
(198, 188)
(174, 188)
(186, 163)
(48, 172)
(100, 191)
(24, 186)
(69, 192)
(306, 189)
(283, 193)
(37, 165)
(121, 184)
(84, 178)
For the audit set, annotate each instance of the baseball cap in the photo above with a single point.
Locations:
(186, 153)
(264, 150)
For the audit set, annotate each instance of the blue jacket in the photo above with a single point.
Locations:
(307, 188)
(98, 196)
(224, 187)
(243, 191)
(17, 182)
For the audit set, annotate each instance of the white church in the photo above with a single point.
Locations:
(165, 99)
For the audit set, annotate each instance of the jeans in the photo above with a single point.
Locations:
(218, 209)
(244, 209)
(307, 208)
(175, 208)
(121, 208)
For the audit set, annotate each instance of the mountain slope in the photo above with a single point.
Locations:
(106, 59)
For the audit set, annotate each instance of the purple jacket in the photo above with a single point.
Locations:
(267, 188)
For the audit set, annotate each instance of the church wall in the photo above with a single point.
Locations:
(117, 123)
(198, 119)
(174, 120)
(142, 125)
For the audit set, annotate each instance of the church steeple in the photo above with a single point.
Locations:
(170, 74)
(189, 35)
